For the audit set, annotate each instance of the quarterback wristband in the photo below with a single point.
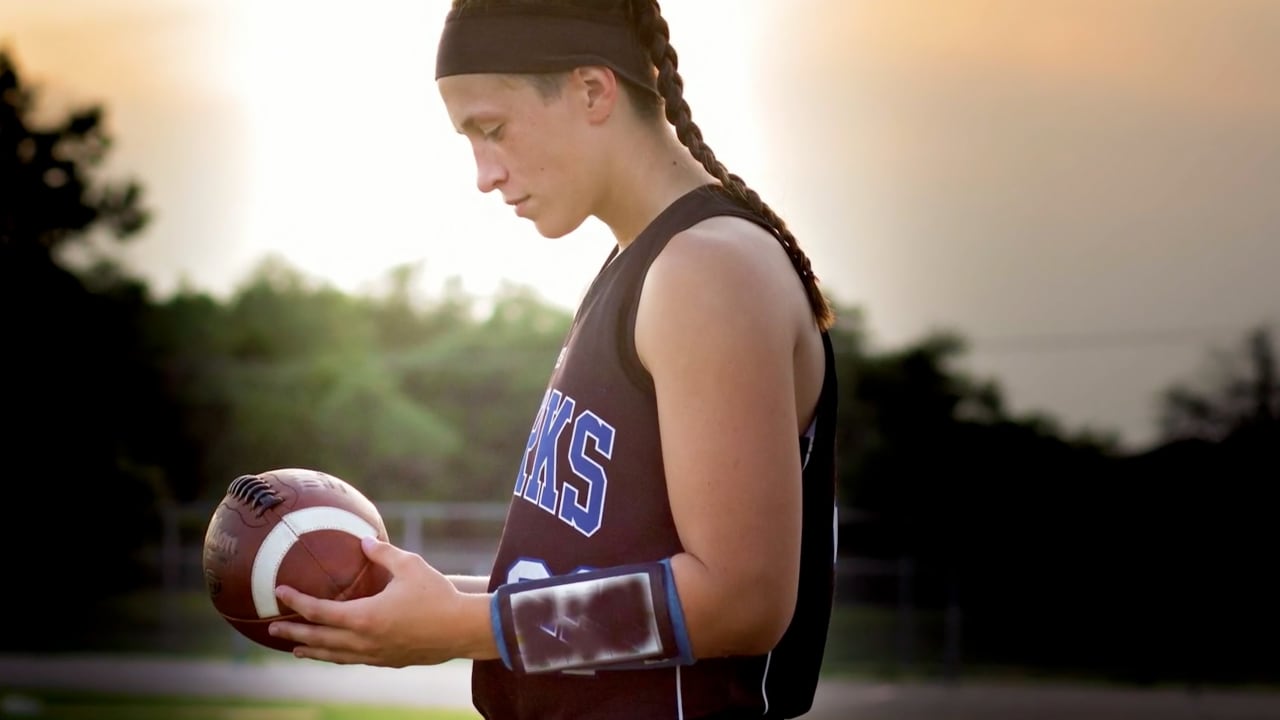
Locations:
(624, 617)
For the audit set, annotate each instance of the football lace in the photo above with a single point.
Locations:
(254, 491)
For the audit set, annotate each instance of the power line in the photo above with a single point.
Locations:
(1205, 337)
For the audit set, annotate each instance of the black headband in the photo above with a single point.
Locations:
(524, 39)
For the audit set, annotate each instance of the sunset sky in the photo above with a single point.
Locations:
(1087, 190)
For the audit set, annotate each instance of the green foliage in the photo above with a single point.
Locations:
(340, 412)
(407, 400)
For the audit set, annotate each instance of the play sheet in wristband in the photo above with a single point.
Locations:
(584, 623)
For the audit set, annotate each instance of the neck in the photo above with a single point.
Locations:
(654, 172)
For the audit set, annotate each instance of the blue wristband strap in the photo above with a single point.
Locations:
(624, 617)
(499, 635)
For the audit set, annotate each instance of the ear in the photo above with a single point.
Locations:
(598, 89)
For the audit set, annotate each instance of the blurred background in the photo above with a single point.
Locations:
(239, 235)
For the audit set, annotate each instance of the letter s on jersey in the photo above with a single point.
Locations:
(579, 504)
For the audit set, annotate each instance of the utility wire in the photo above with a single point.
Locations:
(1109, 340)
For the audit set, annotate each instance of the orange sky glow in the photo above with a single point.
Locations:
(1004, 168)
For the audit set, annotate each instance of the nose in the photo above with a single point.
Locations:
(490, 173)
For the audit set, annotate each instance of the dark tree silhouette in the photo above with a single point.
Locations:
(1241, 392)
(1203, 501)
(81, 410)
(48, 193)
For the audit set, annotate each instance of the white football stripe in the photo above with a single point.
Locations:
(282, 537)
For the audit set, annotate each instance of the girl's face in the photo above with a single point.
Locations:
(533, 149)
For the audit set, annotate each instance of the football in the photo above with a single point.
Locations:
(295, 527)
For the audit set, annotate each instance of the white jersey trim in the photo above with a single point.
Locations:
(679, 697)
(764, 692)
(810, 436)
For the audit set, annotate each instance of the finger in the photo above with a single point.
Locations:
(381, 551)
(317, 610)
(340, 657)
(317, 636)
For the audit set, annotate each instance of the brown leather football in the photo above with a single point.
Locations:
(293, 527)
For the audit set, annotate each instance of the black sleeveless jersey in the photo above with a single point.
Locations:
(590, 493)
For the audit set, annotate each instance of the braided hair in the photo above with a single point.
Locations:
(653, 33)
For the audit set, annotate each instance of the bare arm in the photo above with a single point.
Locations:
(470, 584)
(717, 327)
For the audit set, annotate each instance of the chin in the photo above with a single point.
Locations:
(553, 228)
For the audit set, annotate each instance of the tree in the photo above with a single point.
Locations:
(48, 193)
(81, 409)
(1212, 476)
(1010, 514)
(1240, 393)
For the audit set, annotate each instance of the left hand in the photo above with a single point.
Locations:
(412, 621)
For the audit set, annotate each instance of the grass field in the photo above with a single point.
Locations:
(864, 642)
(83, 706)
(870, 674)
(185, 624)
(864, 645)
(838, 700)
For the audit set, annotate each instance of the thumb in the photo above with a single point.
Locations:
(379, 551)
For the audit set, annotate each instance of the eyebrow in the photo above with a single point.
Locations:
(472, 123)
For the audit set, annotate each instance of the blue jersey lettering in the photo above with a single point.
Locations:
(586, 517)
(522, 478)
(542, 479)
(580, 504)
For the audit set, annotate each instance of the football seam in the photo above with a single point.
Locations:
(294, 616)
(364, 569)
(332, 581)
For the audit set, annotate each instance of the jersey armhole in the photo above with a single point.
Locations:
(628, 353)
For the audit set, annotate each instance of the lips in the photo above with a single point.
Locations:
(519, 205)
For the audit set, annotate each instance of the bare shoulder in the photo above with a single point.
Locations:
(727, 271)
(734, 245)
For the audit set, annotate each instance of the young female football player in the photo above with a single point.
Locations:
(669, 548)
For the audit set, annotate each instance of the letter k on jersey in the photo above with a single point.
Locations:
(577, 499)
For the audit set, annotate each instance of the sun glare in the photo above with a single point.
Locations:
(355, 167)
